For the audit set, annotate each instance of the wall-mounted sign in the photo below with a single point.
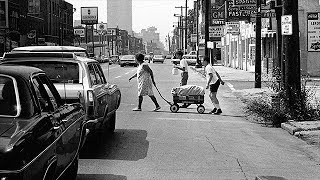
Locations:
(233, 28)
(244, 2)
(102, 28)
(218, 16)
(4, 21)
(193, 38)
(314, 31)
(89, 15)
(236, 13)
(215, 31)
(286, 25)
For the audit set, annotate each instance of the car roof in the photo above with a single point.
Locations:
(50, 49)
(22, 71)
(66, 56)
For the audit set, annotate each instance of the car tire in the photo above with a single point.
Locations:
(112, 123)
(72, 171)
(121, 65)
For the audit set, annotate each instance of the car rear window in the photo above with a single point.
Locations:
(58, 72)
(128, 57)
(8, 97)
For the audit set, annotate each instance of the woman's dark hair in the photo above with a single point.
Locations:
(140, 57)
(179, 53)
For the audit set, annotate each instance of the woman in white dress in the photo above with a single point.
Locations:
(145, 80)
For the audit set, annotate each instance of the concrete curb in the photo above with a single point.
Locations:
(292, 129)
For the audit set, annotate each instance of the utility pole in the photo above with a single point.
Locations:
(257, 83)
(206, 26)
(198, 65)
(291, 52)
(186, 29)
(181, 26)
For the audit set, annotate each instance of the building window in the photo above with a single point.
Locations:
(34, 6)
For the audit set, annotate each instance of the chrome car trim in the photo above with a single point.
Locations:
(28, 164)
(92, 121)
(48, 167)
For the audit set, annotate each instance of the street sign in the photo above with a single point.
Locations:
(89, 15)
(286, 25)
(314, 31)
(102, 28)
(244, 2)
(243, 12)
(79, 32)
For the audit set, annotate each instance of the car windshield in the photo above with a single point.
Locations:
(128, 57)
(158, 56)
(8, 98)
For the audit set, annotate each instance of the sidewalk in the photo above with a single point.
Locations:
(307, 130)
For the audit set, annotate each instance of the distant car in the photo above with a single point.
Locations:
(40, 135)
(191, 59)
(77, 79)
(169, 56)
(158, 58)
(79, 51)
(114, 59)
(128, 60)
(192, 53)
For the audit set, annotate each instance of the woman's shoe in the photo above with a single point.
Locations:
(213, 111)
(157, 108)
(136, 109)
(219, 111)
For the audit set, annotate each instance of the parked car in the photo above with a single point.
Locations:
(168, 56)
(40, 135)
(128, 60)
(175, 60)
(75, 77)
(191, 59)
(79, 51)
(158, 58)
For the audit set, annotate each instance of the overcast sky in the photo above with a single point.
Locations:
(146, 13)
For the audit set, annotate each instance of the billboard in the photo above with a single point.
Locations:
(238, 13)
(89, 15)
(4, 14)
(314, 31)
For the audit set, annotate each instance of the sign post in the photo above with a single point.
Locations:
(89, 16)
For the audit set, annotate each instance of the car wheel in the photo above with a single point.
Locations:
(112, 123)
(121, 65)
(72, 171)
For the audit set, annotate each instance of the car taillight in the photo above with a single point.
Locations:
(90, 103)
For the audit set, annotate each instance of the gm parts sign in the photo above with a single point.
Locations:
(89, 15)
(314, 31)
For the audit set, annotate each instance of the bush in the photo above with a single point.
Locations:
(304, 108)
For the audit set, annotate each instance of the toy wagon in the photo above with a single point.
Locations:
(187, 95)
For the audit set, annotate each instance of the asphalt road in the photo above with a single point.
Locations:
(188, 145)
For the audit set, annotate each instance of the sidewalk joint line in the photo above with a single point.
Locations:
(211, 144)
(241, 169)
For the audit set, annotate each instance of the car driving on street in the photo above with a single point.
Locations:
(158, 58)
(40, 135)
(128, 60)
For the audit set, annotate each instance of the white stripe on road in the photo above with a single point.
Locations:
(127, 72)
(181, 119)
(117, 77)
(230, 86)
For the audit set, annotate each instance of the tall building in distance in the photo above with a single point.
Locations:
(119, 14)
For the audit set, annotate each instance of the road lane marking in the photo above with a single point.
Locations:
(230, 86)
(117, 77)
(127, 72)
(181, 119)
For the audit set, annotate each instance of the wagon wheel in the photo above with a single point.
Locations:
(174, 108)
(201, 109)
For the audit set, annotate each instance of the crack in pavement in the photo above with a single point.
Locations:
(211, 144)
(241, 168)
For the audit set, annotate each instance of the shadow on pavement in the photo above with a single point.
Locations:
(100, 177)
(124, 144)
